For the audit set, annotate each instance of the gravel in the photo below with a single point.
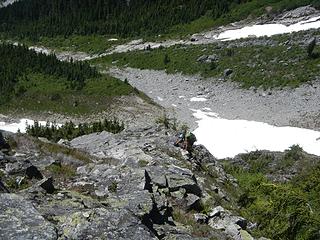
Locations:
(287, 107)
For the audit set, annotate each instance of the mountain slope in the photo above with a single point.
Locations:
(37, 82)
(135, 17)
(35, 18)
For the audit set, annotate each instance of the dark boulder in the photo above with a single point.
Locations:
(3, 143)
(3, 188)
(33, 172)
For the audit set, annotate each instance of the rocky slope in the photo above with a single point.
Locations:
(296, 107)
(132, 185)
(136, 184)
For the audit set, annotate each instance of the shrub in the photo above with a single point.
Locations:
(69, 130)
(166, 59)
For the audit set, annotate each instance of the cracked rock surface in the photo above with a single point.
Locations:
(131, 185)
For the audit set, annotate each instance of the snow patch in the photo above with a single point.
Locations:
(227, 138)
(268, 30)
(20, 126)
(198, 99)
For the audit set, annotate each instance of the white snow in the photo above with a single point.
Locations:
(268, 30)
(21, 126)
(40, 50)
(227, 138)
(198, 99)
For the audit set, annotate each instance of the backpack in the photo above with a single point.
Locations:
(191, 138)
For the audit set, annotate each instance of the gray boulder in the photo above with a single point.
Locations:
(45, 185)
(216, 212)
(208, 59)
(193, 201)
(101, 223)
(212, 58)
(21, 221)
(202, 58)
(310, 46)
(201, 218)
(227, 72)
(3, 188)
(176, 181)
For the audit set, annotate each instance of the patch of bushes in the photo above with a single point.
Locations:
(113, 187)
(59, 170)
(16, 184)
(187, 219)
(259, 66)
(60, 149)
(70, 130)
(282, 211)
(167, 122)
(143, 163)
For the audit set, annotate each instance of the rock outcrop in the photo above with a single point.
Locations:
(132, 185)
(20, 220)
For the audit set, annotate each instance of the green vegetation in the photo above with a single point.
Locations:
(70, 130)
(58, 170)
(266, 66)
(237, 11)
(33, 19)
(256, 8)
(113, 187)
(167, 122)
(187, 219)
(92, 44)
(16, 183)
(286, 210)
(43, 83)
(17, 62)
(56, 149)
(143, 163)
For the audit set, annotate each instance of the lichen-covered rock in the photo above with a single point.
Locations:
(129, 185)
(20, 220)
(176, 181)
(103, 223)
(3, 188)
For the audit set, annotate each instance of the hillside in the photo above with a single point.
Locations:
(109, 87)
(43, 85)
(126, 18)
(33, 18)
(137, 185)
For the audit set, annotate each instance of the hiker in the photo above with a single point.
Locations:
(185, 141)
(189, 141)
(180, 140)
